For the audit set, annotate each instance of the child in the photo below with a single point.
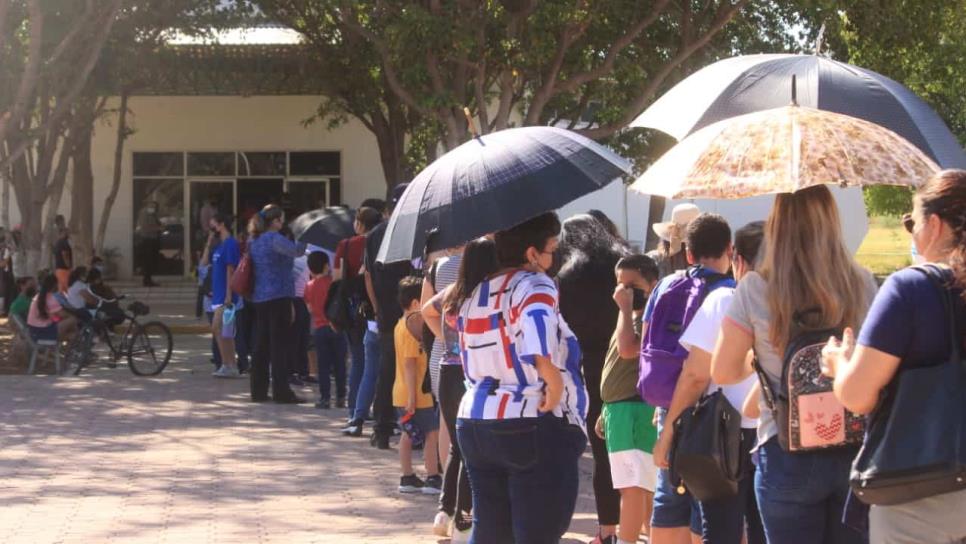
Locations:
(413, 404)
(330, 346)
(21, 305)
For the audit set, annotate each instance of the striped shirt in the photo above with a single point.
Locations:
(503, 325)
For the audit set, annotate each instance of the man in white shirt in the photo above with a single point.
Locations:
(722, 520)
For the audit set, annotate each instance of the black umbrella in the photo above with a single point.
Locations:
(494, 182)
(751, 83)
(324, 228)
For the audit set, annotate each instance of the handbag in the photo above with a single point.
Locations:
(338, 307)
(706, 450)
(243, 278)
(915, 445)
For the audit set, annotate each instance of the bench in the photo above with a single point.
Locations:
(36, 347)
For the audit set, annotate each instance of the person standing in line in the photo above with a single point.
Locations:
(299, 369)
(520, 424)
(63, 260)
(907, 328)
(475, 264)
(149, 232)
(382, 284)
(351, 252)
(272, 258)
(670, 253)
(626, 423)
(586, 279)
(734, 518)
(224, 260)
(801, 495)
(205, 294)
(330, 347)
(414, 405)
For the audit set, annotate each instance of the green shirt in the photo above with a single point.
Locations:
(20, 306)
(618, 381)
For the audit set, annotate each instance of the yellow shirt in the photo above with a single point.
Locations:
(408, 347)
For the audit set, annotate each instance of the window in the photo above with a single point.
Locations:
(211, 164)
(261, 164)
(314, 163)
(158, 164)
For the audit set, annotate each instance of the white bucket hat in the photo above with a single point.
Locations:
(673, 231)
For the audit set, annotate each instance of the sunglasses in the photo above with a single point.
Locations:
(908, 222)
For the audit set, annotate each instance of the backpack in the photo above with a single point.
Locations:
(808, 415)
(662, 355)
(345, 296)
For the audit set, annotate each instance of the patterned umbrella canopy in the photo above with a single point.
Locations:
(783, 150)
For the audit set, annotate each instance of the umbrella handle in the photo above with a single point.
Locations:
(794, 90)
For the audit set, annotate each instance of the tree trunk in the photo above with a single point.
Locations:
(122, 134)
(5, 201)
(655, 214)
(82, 197)
(391, 152)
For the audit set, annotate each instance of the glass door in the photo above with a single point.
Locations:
(254, 194)
(207, 198)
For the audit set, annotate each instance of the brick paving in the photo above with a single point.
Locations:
(185, 458)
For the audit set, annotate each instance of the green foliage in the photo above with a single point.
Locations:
(887, 200)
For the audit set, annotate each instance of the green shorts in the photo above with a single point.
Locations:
(629, 425)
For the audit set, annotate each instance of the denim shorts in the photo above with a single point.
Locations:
(673, 509)
(426, 419)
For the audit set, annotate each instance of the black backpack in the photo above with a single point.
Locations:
(706, 452)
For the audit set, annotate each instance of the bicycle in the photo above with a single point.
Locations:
(147, 346)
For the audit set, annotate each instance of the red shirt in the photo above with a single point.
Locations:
(356, 251)
(316, 293)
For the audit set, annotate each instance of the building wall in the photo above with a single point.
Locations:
(225, 123)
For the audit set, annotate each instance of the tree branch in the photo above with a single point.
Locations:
(643, 98)
(551, 88)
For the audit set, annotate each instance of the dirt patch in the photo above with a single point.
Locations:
(14, 354)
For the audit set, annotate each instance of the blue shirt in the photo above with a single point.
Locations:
(225, 255)
(907, 320)
(273, 257)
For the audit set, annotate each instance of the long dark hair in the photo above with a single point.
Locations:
(944, 195)
(479, 261)
(47, 285)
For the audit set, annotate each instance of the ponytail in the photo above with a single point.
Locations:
(47, 285)
(260, 221)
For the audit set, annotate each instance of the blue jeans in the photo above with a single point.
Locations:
(358, 354)
(330, 352)
(524, 477)
(723, 520)
(802, 495)
(367, 385)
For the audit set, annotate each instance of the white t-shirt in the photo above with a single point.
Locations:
(74, 296)
(300, 275)
(702, 333)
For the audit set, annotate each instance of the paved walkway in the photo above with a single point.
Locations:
(184, 458)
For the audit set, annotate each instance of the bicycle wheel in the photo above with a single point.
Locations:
(79, 351)
(150, 348)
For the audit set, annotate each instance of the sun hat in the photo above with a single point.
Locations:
(673, 231)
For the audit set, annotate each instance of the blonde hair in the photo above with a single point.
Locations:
(807, 267)
(260, 221)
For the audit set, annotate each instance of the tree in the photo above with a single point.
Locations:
(49, 52)
(921, 44)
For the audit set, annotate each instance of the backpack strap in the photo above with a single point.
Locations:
(767, 392)
(942, 281)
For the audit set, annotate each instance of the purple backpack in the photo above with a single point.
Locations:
(662, 355)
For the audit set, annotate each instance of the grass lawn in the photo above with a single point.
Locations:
(886, 248)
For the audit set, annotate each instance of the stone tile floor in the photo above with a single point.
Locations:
(185, 458)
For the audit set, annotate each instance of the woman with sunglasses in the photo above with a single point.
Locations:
(906, 328)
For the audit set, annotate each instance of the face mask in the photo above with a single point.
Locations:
(640, 299)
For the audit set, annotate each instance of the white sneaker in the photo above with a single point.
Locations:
(441, 524)
(220, 373)
(460, 537)
(226, 372)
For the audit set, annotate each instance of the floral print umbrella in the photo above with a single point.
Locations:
(783, 150)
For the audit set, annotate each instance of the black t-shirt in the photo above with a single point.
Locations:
(385, 280)
(60, 248)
